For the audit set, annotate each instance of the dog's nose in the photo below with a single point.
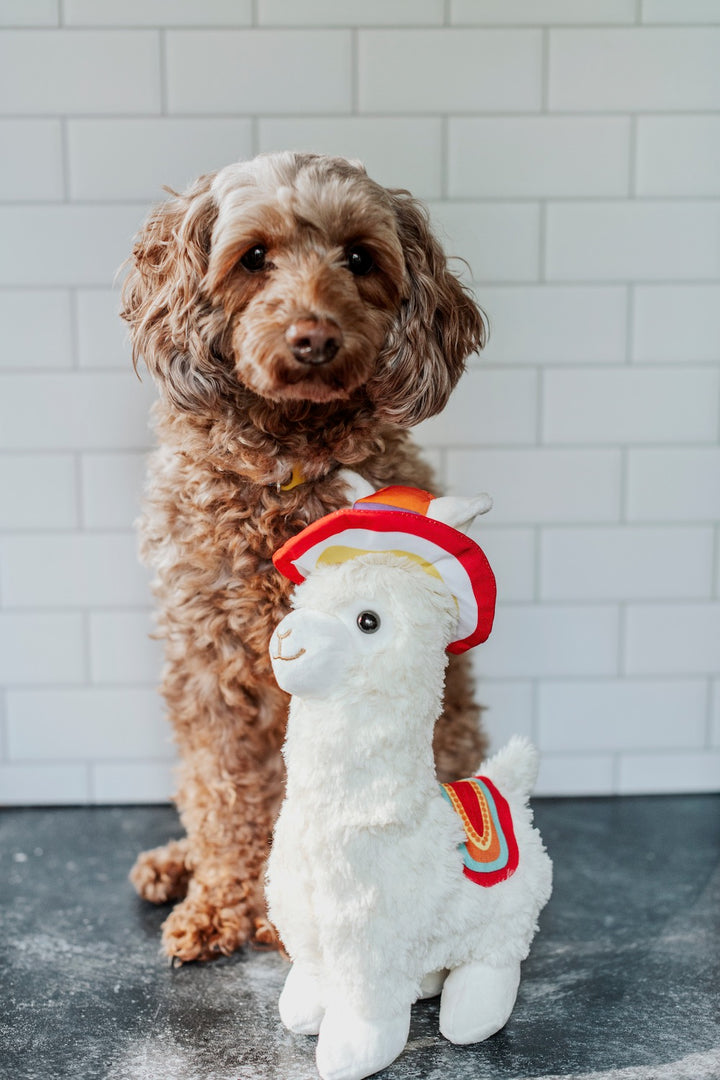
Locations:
(314, 341)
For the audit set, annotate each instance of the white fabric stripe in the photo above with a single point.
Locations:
(449, 567)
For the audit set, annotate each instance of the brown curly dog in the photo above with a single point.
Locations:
(297, 318)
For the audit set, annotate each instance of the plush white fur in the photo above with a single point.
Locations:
(365, 881)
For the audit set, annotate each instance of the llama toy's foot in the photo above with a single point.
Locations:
(300, 1005)
(432, 984)
(351, 1047)
(477, 1000)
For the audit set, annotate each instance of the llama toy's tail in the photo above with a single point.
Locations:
(515, 767)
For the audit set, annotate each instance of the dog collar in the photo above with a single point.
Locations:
(298, 477)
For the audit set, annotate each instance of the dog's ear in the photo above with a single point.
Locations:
(163, 302)
(438, 327)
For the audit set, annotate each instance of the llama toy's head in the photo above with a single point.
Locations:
(385, 588)
(376, 624)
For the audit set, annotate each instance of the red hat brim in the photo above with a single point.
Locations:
(460, 562)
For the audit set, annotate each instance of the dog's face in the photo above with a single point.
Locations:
(298, 277)
(308, 267)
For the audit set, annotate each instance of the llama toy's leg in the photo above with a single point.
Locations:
(301, 1005)
(432, 984)
(477, 1000)
(351, 1046)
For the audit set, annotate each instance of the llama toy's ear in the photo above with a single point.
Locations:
(357, 486)
(459, 512)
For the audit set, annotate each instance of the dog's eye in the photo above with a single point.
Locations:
(368, 622)
(359, 261)
(254, 258)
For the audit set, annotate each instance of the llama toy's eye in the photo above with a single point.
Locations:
(254, 258)
(368, 622)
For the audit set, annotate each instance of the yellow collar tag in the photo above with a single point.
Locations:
(295, 480)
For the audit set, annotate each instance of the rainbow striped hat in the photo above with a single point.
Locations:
(400, 521)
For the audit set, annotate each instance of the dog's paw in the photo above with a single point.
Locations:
(266, 936)
(198, 929)
(162, 874)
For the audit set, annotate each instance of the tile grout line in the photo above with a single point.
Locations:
(545, 70)
(542, 242)
(390, 27)
(539, 407)
(535, 711)
(74, 300)
(354, 71)
(710, 709)
(624, 496)
(622, 640)
(537, 564)
(630, 293)
(87, 649)
(64, 162)
(444, 156)
(78, 477)
(4, 734)
(89, 783)
(580, 680)
(376, 114)
(511, 284)
(162, 71)
(114, 202)
(5, 756)
(632, 158)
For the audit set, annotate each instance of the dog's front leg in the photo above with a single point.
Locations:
(229, 720)
(228, 811)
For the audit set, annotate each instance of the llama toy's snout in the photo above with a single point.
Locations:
(306, 653)
(280, 637)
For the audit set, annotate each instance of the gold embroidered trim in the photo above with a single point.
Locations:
(482, 842)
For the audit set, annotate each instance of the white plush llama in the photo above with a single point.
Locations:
(365, 879)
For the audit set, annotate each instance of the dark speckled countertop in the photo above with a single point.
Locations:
(622, 982)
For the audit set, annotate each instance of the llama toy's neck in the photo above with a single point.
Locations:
(365, 697)
(375, 754)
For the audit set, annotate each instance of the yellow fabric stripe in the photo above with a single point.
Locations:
(339, 553)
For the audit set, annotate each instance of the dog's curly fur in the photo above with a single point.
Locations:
(238, 411)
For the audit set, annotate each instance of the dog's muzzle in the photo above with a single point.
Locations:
(314, 341)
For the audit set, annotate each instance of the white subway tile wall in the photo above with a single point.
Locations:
(58, 72)
(37, 329)
(672, 323)
(391, 148)
(180, 149)
(588, 210)
(633, 240)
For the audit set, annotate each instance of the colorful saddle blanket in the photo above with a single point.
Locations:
(490, 851)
